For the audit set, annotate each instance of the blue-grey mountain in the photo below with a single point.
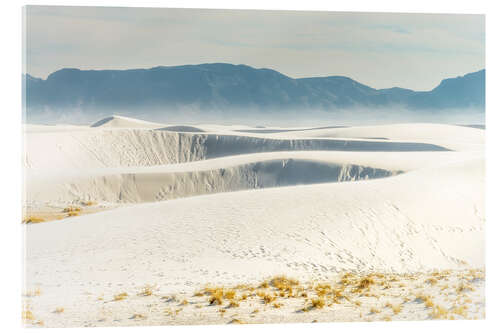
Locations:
(233, 88)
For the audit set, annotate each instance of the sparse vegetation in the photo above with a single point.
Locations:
(33, 219)
(147, 290)
(349, 290)
(120, 297)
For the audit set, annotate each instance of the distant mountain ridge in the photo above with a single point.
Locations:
(221, 86)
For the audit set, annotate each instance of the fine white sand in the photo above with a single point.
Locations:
(227, 205)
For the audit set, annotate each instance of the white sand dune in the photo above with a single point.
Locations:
(247, 206)
(125, 122)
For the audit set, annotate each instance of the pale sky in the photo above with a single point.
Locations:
(414, 51)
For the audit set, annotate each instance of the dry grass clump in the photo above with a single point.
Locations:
(396, 308)
(283, 283)
(233, 304)
(323, 289)
(218, 294)
(317, 303)
(120, 297)
(266, 298)
(88, 203)
(462, 287)
(431, 281)
(460, 310)
(32, 293)
(33, 219)
(27, 315)
(364, 283)
(374, 310)
(236, 321)
(147, 290)
(277, 305)
(138, 316)
(216, 298)
(427, 300)
(439, 312)
(59, 310)
(229, 294)
(72, 211)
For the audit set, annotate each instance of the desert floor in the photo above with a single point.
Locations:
(135, 223)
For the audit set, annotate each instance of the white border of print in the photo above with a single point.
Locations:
(10, 131)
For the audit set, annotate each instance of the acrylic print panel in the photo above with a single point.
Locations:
(191, 166)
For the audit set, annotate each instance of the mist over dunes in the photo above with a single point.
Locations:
(235, 90)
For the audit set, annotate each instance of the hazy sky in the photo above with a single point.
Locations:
(412, 51)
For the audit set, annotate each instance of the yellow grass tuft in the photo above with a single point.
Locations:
(59, 310)
(439, 312)
(138, 316)
(431, 281)
(277, 305)
(27, 315)
(71, 209)
(284, 283)
(120, 297)
(233, 304)
(317, 303)
(460, 310)
(33, 219)
(147, 290)
(396, 308)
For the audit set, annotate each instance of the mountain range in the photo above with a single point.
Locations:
(221, 87)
